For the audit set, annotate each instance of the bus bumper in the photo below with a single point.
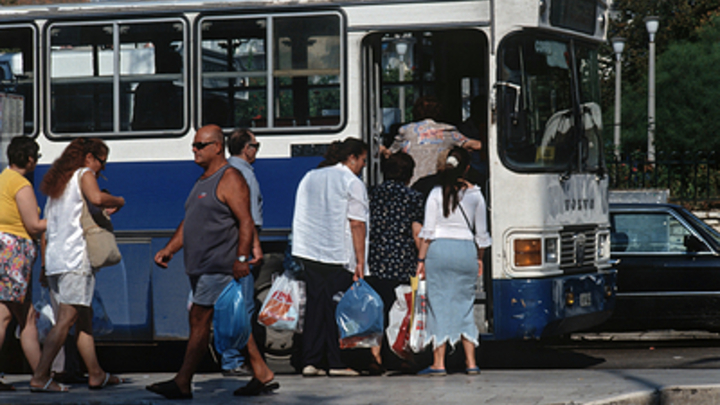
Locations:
(535, 308)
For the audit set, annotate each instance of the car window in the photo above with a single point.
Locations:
(648, 232)
(699, 223)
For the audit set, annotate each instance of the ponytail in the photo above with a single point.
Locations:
(452, 174)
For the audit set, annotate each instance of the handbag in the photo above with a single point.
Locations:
(102, 249)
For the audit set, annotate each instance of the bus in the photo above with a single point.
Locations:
(144, 76)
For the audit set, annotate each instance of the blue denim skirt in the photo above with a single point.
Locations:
(451, 273)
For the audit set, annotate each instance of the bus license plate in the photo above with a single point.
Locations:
(585, 299)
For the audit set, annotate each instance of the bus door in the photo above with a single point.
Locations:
(372, 113)
(452, 65)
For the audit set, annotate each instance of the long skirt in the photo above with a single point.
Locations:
(451, 271)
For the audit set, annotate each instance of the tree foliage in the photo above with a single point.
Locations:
(688, 95)
(687, 85)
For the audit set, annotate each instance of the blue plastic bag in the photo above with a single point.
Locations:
(359, 316)
(231, 323)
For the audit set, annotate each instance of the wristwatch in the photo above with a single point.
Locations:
(242, 259)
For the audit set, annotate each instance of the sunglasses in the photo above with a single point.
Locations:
(202, 145)
(254, 145)
(102, 162)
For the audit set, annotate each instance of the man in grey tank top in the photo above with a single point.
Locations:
(216, 235)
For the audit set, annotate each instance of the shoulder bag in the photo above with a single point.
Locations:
(102, 249)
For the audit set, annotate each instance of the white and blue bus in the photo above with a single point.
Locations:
(144, 76)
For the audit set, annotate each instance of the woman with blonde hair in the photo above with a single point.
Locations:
(70, 183)
(20, 224)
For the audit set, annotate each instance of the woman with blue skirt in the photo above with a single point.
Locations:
(454, 238)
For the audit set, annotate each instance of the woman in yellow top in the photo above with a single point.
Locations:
(20, 224)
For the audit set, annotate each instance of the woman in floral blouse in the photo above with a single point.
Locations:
(396, 214)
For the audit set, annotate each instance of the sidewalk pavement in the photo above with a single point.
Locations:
(513, 387)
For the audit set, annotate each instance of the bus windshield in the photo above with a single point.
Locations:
(539, 109)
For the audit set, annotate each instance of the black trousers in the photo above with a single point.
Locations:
(320, 333)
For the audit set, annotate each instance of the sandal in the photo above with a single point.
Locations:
(433, 372)
(106, 382)
(255, 387)
(46, 388)
(169, 389)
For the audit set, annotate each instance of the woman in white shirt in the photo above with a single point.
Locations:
(454, 238)
(330, 236)
(71, 179)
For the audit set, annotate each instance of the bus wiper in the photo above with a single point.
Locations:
(565, 176)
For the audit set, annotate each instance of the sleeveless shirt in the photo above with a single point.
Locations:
(66, 250)
(210, 230)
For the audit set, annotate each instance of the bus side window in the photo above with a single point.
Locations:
(17, 74)
(151, 71)
(82, 63)
(158, 103)
(307, 70)
(234, 72)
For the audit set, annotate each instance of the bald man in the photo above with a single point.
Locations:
(216, 236)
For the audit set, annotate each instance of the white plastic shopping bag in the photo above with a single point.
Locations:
(418, 332)
(282, 307)
(400, 316)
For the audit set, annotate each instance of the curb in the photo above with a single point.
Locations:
(687, 394)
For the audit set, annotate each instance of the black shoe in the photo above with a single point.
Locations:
(169, 389)
(407, 368)
(255, 387)
(376, 368)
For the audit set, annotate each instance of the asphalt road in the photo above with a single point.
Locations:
(653, 368)
(653, 350)
(650, 350)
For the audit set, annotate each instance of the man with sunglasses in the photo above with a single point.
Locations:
(216, 236)
(243, 148)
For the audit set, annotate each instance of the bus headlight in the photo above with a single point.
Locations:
(551, 250)
(528, 252)
(603, 246)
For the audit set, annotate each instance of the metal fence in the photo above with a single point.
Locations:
(691, 177)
